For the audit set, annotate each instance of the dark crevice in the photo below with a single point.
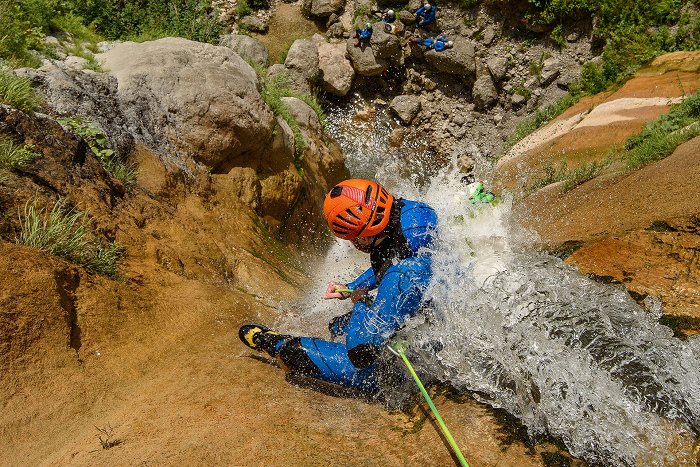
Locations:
(67, 282)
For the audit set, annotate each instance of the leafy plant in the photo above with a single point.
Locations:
(243, 8)
(17, 92)
(13, 156)
(583, 173)
(557, 36)
(65, 232)
(26, 22)
(99, 144)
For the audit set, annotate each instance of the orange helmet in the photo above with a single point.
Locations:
(357, 208)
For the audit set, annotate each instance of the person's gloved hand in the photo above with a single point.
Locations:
(331, 291)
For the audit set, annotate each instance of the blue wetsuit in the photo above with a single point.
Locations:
(401, 270)
(438, 44)
(363, 35)
(427, 15)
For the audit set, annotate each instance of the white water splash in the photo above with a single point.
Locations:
(522, 331)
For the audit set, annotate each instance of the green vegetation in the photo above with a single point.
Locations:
(541, 117)
(274, 89)
(557, 36)
(571, 178)
(98, 142)
(243, 9)
(13, 156)
(661, 137)
(17, 92)
(631, 34)
(362, 11)
(25, 23)
(656, 141)
(66, 233)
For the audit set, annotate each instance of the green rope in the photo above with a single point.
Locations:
(398, 349)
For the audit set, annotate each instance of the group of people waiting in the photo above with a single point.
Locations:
(426, 13)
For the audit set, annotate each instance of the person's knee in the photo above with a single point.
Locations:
(293, 356)
(363, 355)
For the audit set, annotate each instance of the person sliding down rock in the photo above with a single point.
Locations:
(363, 35)
(437, 43)
(397, 234)
(426, 13)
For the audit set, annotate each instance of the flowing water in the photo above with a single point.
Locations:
(519, 329)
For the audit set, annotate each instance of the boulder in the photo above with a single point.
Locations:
(406, 17)
(336, 70)
(74, 62)
(294, 79)
(251, 50)
(336, 30)
(484, 92)
(91, 96)
(385, 45)
(498, 66)
(459, 60)
(364, 61)
(551, 68)
(253, 23)
(325, 8)
(303, 58)
(332, 19)
(209, 109)
(301, 112)
(517, 100)
(406, 107)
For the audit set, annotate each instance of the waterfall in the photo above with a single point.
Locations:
(519, 329)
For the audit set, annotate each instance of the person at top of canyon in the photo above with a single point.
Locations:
(437, 43)
(389, 16)
(363, 35)
(397, 233)
(426, 13)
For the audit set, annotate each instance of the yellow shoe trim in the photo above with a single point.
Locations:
(249, 336)
(252, 332)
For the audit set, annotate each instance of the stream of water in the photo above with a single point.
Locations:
(520, 330)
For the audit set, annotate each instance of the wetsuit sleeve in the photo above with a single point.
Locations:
(366, 279)
(420, 11)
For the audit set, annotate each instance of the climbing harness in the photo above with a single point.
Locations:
(398, 348)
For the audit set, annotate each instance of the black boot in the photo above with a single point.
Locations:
(261, 338)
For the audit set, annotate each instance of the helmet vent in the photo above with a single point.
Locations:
(352, 214)
(336, 191)
(368, 195)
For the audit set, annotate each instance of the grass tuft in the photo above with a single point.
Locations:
(65, 232)
(18, 92)
(274, 89)
(661, 137)
(14, 156)
(571, 178)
